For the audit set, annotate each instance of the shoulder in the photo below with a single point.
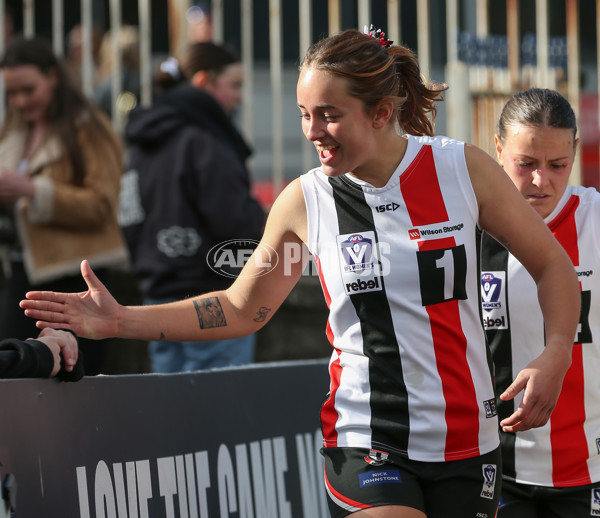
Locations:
(288, 214)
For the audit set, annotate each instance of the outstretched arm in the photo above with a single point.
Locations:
(506, 216)
(247, 305)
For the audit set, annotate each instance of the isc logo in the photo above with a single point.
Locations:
(389, 206)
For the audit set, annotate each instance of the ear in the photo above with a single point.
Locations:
(498, 145)
(200, 79)
(382, 113)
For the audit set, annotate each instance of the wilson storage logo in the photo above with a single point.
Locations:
(229, 258)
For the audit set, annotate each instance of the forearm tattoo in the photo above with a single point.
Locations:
(263, 313)
(210, 313)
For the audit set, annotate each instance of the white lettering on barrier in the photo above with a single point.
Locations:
(103, 489)
(167, 483)
(253, 484)
(202, 481)
(226, 482)
(246, 503)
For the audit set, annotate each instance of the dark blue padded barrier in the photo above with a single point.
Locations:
(240, 442)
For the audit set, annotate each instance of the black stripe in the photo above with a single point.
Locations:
(389, 398)
(494, 257)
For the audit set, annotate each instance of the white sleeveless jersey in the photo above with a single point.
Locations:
(566, 451)
(410, 373)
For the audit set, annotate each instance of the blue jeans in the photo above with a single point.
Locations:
(193, 356)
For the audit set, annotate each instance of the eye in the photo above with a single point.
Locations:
(330, 117)
(521, 163)
(305, 116)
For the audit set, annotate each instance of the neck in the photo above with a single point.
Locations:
(390, 152)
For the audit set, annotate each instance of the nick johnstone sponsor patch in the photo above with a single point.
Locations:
(386, 476)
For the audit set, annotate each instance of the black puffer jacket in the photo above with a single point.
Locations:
(186, 189)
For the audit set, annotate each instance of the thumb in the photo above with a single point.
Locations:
(93, 283)
(514, 388)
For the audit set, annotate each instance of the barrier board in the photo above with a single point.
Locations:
(238, 442)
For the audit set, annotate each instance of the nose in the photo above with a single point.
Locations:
(539, 177)
(313, 128)
(18, 100)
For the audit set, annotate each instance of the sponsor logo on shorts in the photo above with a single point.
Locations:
(386, 476)
(598, 444)
(595, 511)
(489, 480)
(490, 408)
(377, 457)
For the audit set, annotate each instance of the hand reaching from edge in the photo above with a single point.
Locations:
(90, 314)
(60, 342)
(541, 382)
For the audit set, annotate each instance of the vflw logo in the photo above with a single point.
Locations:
(493, 300)
(359, 262)
(357, 252)
(491, 285)
(489, 480)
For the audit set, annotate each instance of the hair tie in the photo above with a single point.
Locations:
(170, 66)
(378, 35)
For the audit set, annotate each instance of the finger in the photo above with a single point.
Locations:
(518, 384)
(42, 305)
(55, 317)
(89, 276)
(70, 356)
(51, 296)
(42, 324)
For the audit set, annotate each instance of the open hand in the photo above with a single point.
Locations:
(90, 314)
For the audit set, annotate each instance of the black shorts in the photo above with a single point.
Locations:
(527, 501)
(357, 479)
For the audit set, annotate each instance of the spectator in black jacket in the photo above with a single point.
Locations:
(53, 353)
(186, 206)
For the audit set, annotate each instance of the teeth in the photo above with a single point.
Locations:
(324, 148)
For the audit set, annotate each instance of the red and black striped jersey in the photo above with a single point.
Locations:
(399, 267)
(566, 451)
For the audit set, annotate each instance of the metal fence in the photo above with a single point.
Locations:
(457, 41)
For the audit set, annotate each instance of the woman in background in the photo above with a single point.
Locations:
(186, 191)
(60, 167)
(552, 471)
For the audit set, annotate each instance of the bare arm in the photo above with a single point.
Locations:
(241, 309)
(505, 215)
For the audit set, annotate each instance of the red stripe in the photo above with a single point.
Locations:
(328, 331)
(564, 229)
(329, 415)
(425, 203)
(462, 411)
(567, 435)
(421, 192)
(343, 498)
